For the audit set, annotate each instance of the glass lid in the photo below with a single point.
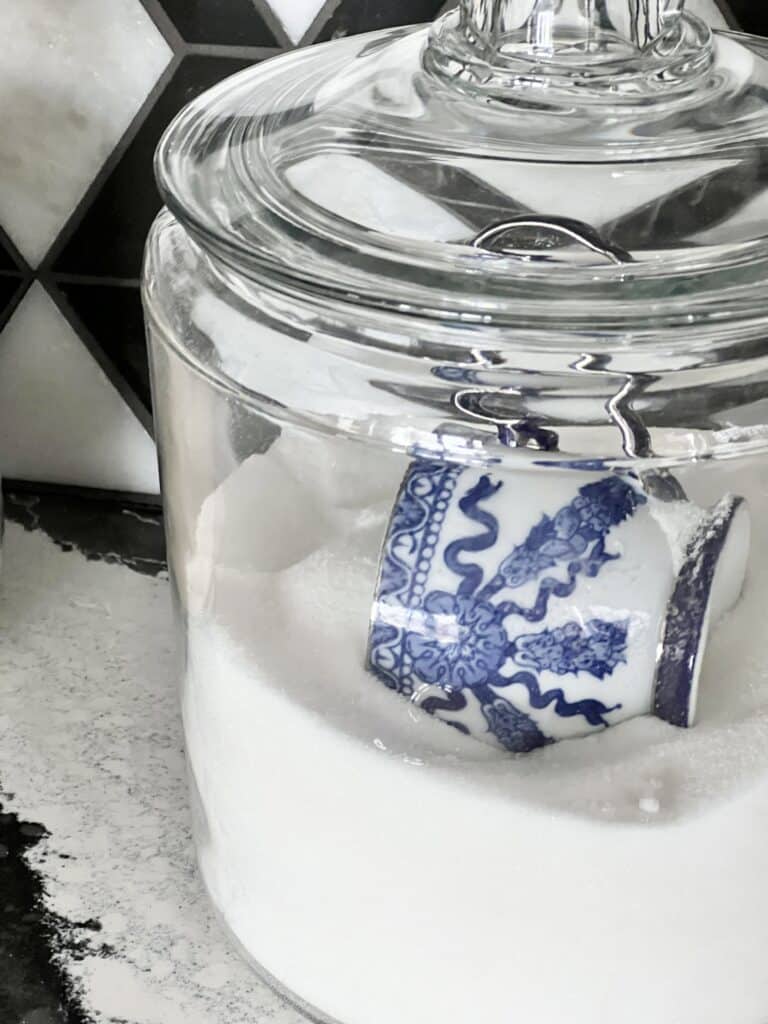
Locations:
(609, 154)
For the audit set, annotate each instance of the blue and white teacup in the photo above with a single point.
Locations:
(533, 608)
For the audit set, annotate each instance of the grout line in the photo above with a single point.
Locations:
(118, 381)
(148, 501)
(90, 279)
(256, 53)
(274, 24)
(10, 247)
(164, 24)
(78, 214)
(7, 314)
(322, 18)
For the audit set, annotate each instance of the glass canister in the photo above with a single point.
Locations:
(460, 371)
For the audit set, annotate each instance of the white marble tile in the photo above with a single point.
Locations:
(61, 419)
(296, 16)
(72, 76)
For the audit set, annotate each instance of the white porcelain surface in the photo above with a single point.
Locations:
(72, 77)
(61, 420)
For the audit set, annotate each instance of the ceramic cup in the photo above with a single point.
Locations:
(527, 609)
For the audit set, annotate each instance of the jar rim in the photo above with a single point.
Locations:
(678, 404)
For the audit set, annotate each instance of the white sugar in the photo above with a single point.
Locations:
(650, 805)
(386, 868)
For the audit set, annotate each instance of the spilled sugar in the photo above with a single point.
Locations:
(91, 746)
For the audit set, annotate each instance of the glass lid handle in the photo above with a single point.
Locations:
(552, 25)
(635, 46)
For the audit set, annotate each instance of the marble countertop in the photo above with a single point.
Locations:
(104, 919)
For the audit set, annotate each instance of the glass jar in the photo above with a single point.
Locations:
(460, 376)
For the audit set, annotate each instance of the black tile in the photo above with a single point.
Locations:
(113, 316)
(223, 22)
(751, 16)
(7, 261)
(9, 285)
(109, 241)
(353, 16)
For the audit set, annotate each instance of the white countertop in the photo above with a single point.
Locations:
(91, 748)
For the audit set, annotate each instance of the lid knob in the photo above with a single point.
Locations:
(611, 48)
(582, 27)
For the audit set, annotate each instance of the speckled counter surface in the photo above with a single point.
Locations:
(103, 915)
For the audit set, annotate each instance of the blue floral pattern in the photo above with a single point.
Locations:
(462, 642)
(568, 536)
(597, 649)
(459, 642)
(516, 731)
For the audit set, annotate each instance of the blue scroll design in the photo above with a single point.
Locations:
(457, 639)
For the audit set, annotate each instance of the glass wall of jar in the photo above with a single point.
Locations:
(434, 730)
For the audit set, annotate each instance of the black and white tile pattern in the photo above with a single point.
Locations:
(88, 88)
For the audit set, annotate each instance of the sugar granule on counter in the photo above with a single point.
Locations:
(91, 746)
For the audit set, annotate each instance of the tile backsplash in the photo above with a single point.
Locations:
(88, 87)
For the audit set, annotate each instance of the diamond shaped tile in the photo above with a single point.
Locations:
(110, 239)
(296, 16)
(352, 16)
(61, 419)
(72, 77)
(8, 285)
(11, 289)
(224, 22)
(114, 318)
(12, 279)
(751, 16)
(7, 261)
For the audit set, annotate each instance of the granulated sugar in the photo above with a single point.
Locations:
(385, 868)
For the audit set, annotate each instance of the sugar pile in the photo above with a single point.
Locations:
(386, 868)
